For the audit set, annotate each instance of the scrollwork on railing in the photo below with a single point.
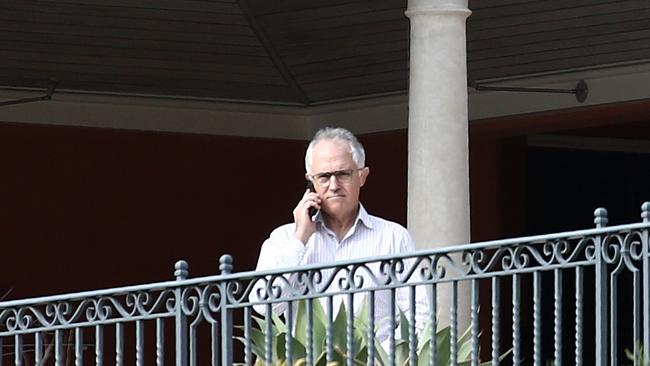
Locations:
(205, 301)
(634, 242)
(562, 252)
(353, 277)
(87, 311)
(623, 249)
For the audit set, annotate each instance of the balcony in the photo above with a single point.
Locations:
(579, 297)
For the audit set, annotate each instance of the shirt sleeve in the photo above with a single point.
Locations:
(280, 250)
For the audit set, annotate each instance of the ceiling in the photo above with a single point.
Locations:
(294, 52)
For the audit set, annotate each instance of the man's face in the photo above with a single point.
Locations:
(339, 197)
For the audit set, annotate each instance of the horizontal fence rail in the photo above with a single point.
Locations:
(576, 298)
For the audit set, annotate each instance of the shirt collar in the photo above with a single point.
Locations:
(364, 217)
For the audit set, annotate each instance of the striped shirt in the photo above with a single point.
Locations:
(369, 236)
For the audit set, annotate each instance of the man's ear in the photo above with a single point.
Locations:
(363, 175)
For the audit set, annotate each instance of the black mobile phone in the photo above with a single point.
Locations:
(312, 210)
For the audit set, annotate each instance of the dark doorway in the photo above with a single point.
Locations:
(565, 186)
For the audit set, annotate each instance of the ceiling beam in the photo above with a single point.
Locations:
(275, 57)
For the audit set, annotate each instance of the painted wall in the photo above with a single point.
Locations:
(86, 208)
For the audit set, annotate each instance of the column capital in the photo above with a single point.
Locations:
(424, 7)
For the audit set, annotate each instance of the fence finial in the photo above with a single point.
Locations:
(600, 217)
(645, 211)
(181, 270)
(225, 264)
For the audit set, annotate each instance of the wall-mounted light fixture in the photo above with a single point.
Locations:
(581, 90)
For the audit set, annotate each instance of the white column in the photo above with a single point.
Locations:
(438, 169)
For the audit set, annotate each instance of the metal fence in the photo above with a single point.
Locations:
(580, 297)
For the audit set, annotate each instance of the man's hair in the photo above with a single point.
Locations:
(340, 134)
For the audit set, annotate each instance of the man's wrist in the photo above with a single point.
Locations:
(303, 237)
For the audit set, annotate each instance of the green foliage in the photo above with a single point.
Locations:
(641, 358)
(360, 340)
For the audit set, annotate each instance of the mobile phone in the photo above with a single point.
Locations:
(312, 210)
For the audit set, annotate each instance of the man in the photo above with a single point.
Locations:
(341, 229)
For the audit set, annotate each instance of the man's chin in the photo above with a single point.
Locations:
(337, 207)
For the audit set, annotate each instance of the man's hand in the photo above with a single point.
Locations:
(304, 226)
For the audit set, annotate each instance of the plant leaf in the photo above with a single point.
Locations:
(319, 324)
(425, 336)
(361, 321)
(424, 355)
(257, 343)
(301, 323)
(401, 352)
(464, 350)
(442, 346)
(261, 323)
(279, 324)
(280, 348)
(381, 356)
(338, 330)
(320, 327)
(403, 326)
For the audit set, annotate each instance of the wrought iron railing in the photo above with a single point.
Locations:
(600, 306)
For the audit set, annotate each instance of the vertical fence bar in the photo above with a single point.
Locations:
(579, 316)
(225, 266)
(310, 331)
(371, 329)
(391, 338)
(413, 342)
(433, 304)
(537, 318)
(289, 335)
(99, 345)
(558, 317)
(119, 344)
(474, 320)
(78, 347)
(139, 343)
(1, 350)
(516, 322)
(453, 330)
(349, 330)
(58, 347)
(496, 320)
(645, 215)
(636, 283)
(181, 272)
(193, 340)
(600, 219)
(18, 350)
(248, 352)
(329, 330)
(160, 342)
(613, 313)
(38, 349)
(214, 345)
(268, 340)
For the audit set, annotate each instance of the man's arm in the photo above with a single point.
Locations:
(286, 247)
(281, 250)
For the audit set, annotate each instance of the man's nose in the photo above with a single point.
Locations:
(334, 183)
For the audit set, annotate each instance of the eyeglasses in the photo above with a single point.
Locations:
(342, 176)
